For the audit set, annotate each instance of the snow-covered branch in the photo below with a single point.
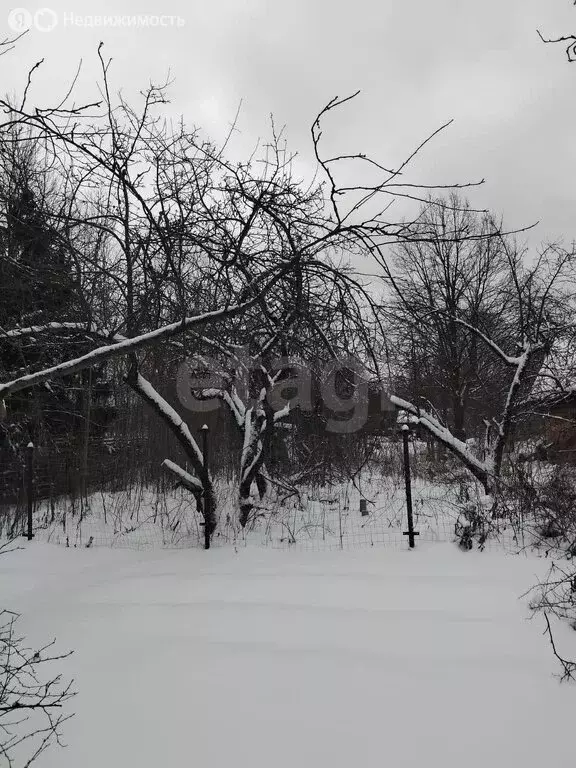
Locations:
(488, 469)
(201, 483)
(36, 330)
(188, 481)
(127, 346)
(458, 447)
(169, 415)
(508, 359)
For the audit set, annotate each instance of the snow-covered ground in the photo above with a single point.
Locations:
(318, 519)
(259, 658)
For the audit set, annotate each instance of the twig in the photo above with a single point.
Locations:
(568, 667)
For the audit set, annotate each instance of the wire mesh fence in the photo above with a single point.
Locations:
(339, 520)
(115, 497)
(121, 503)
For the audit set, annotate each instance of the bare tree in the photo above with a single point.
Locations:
(537, 294)
(556, 596)
(185, 239)
(33, 699)
(457, 273)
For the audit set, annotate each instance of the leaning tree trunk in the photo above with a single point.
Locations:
(258, 426)
(200, 484)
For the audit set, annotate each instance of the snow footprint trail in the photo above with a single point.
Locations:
(275, 659)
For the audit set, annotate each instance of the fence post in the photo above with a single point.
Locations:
(205, 496)
(30, 488)
(411, 533)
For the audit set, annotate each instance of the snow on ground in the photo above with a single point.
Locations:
(318, 519)
(259, 658)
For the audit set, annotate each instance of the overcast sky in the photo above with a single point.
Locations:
(418, 63)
